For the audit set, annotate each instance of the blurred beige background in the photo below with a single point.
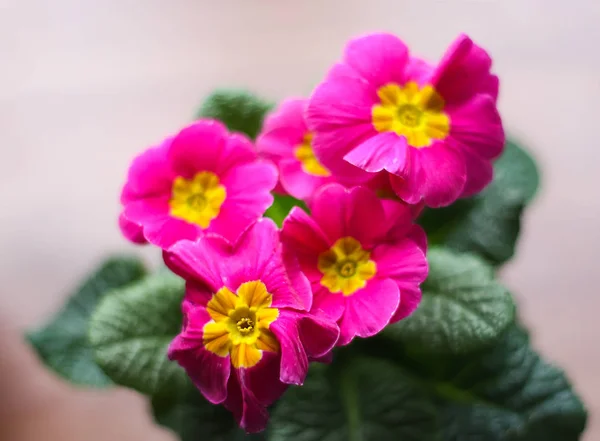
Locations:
(85, 85)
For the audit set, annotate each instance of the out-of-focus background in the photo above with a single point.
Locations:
(85, 85)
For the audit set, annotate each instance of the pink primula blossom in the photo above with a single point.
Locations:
(363, 256)
(433, 130)
(204, 179)
(286, 141)
(247, 333)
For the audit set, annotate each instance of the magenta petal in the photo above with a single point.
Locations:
(479, 174)
(247, 410)
(339, 113)
(302, 236)
(198, 147)
(248, 189)
(171, 230)
(202, 261)
(364, 216)
(318, 334)
(297, 182)
(444, 173)
(208, 371)
(378, 58)
(477, 127)
(405, 263)
(289, 114)
(369, 310)
(409, 187)
(150, 175)
(384, 151)
(294, 362)
(463, 72)
(263, 379)
(330, 211)
(418, 70)
(131, 230)
(331, 305)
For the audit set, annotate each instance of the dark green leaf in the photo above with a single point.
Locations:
(463, 307)
(281, 207)
(62, 344)
(508, 393)
(194, 419)
(489, 223)
(363, 400)
(131, 330)
(239, 110)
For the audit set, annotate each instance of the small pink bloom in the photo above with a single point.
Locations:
(202, 180)
(247, 333)
(432, 130)
(286, 141)
(363, 256)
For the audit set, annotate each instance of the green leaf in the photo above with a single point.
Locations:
(508, 393)
(62, 344)
(239, 110)
(489, 223)
(281, 207)
(365, 399)
(463, 307)
(193, 418)
(131, 330)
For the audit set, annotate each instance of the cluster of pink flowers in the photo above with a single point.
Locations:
(382, 136)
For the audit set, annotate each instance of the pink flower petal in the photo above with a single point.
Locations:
(132, 231)
(419, 71)
(248, 189)
(202, 261)
(318, 334)
(208, 371)
(409, 187)
(463, 72)
(339, 113)
(150, 175)
(384, 151)
(294, 362)
(356, 212)
(247, 410)
(369, 310)
(198, 147)
(263, 379)
(331, 305)
(378, 58)
(479, 174)
(297, 182)
(444, 173)
(279, 143)
(289, 114)
(405, 263)
(477, 127)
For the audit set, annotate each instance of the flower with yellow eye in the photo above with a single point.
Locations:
(363, 256)
(287, 142)
(247, 331)
(433, 131)
(204, 179)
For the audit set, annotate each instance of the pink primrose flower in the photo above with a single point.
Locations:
(247, 333)
(363, 256)
(434, 130)
(286, 141)
(204, 179)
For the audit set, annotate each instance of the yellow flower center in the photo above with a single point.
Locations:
(413, 112)
(197, 200)
(306, 155)
(240, 324)
(346, 266)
